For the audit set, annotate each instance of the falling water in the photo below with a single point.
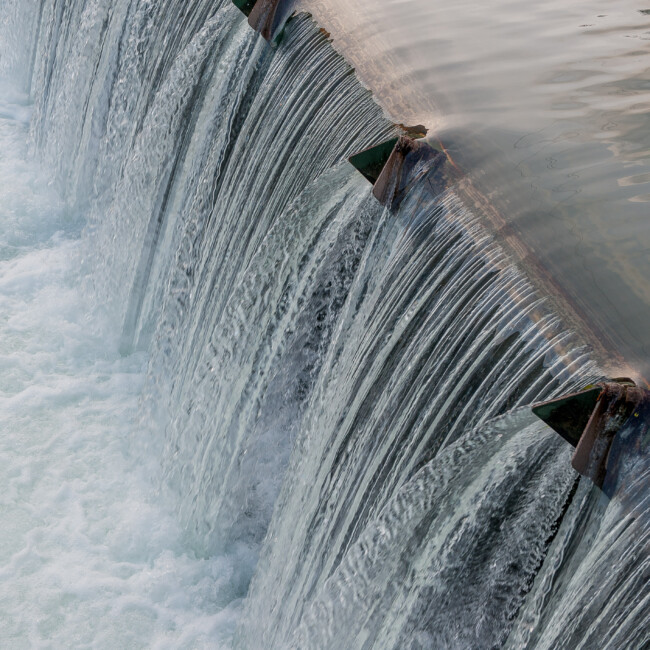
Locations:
(247, 405)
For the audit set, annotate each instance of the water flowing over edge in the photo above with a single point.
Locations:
(323, 375)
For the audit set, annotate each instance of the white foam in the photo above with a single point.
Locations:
(90, 555)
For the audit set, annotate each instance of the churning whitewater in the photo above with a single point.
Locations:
(246, 406)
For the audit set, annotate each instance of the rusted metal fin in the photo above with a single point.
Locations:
(268, 17)
(245, 6)
(370, 162)
(593, 420)
(394, 166)
(569, 415)
(409, 161)
(628, 460)
(615, 406)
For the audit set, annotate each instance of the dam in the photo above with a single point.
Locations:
(246, 405)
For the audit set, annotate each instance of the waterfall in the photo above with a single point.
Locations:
(332, 395)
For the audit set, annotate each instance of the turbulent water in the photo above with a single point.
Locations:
(244, 405)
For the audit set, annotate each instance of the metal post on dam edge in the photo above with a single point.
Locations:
(396, 165)
(607, 423)
(267, 17)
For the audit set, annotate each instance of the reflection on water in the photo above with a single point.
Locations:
(547, 107)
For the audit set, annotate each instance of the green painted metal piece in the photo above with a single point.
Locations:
(569, 415)
(269, 18)
(245, 6)
(371, 162)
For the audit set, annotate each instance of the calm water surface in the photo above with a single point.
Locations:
(546, 106)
